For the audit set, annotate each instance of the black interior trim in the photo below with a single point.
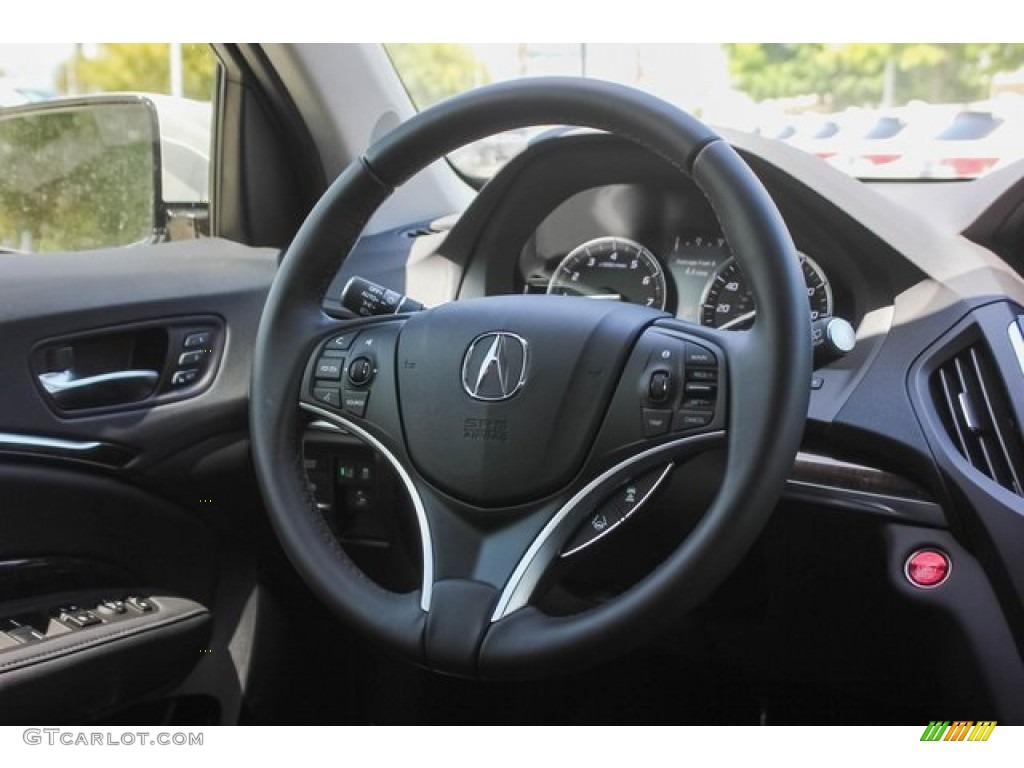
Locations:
(268, 172)
(104, 665)
(95, 452)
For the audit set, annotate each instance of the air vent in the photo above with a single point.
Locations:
(972, 402)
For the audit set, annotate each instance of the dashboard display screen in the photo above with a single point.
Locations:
(693, 263)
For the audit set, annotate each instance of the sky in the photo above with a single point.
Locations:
(37, 63)
(34, 64)
(694, 76)
(684, 74)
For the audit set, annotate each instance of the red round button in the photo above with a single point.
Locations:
(927, 568)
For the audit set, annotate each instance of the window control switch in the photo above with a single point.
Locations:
(112, 606)
(26, 634)
(143, 604)
(80, 618)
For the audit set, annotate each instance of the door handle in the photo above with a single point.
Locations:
(102, 389)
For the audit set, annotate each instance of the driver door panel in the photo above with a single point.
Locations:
(119, 500)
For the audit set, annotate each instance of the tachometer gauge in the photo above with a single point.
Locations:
(729, 303)
(614, 269)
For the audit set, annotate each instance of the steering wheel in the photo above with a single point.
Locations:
(523, 427)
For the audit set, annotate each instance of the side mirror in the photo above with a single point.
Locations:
(81, 173)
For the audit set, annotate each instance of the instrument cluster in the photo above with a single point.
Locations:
(696, 277)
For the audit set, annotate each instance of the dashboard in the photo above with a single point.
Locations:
(896, 455)
(588, 214)
(593, 215)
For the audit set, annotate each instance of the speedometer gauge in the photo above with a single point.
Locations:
(729, 303)
(611, 268)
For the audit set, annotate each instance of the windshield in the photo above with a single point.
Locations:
(873, 110)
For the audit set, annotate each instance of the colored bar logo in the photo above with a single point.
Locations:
(959, 730)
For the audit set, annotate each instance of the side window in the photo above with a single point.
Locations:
(104, 144)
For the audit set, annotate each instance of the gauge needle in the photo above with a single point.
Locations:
(605, 296)
(738, 320)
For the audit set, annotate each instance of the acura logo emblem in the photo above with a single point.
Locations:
(495, 366)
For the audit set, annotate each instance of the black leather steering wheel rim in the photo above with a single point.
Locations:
(765, 418)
